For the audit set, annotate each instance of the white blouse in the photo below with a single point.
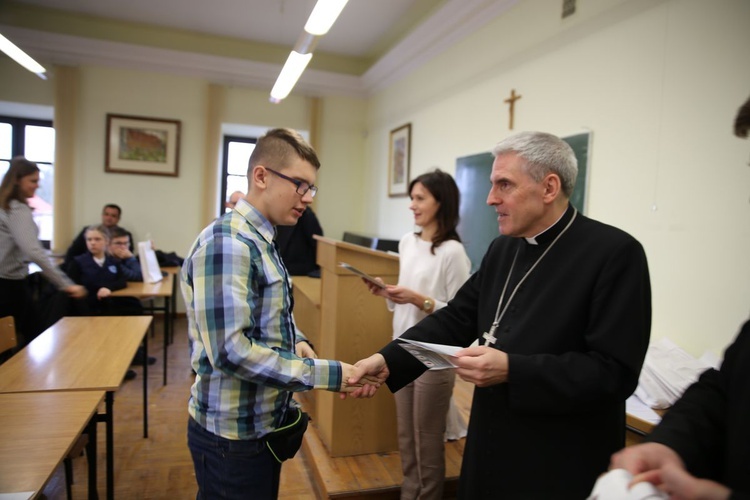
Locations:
(437, 276)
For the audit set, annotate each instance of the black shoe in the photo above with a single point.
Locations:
(138, 361)
(130, 375)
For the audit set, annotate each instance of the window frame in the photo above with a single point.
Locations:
(226, 140)
(18, 141)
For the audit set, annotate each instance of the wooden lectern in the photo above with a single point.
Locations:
(352, 325)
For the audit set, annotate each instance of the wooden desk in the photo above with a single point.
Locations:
(637, 428)
(81, 353)
(37, 430)
(175, 272)
(164, 289)
(638, 425)
(306, 293)
(353, 325)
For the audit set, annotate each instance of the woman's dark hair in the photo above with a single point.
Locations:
(19, 167)
(445, 191)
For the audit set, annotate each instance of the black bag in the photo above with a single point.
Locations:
(168, 259)
(284, 442)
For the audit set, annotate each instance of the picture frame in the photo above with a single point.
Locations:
(399, 161)
(581, 143)
(142, 145)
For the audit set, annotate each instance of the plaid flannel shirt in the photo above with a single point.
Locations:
(242, 333)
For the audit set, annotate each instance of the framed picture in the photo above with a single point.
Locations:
(581, 144)
(140, 145)
(399, 158)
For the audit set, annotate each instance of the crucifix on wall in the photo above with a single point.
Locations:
(512, 103)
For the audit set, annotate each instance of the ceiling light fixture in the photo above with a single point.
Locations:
(22, 57)
(290, 73)
(323, 15)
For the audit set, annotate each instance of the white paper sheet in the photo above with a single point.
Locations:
(637, 408)
(433, 356)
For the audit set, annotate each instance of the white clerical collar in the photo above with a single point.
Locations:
(532, 240)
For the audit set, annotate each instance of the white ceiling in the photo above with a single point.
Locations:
(360, 26)
(364, 29)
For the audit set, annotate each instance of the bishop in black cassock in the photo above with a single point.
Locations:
(573, 336)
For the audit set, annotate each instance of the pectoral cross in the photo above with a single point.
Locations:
(512, 102)
(489, 338)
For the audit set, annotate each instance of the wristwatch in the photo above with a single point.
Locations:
(427, 305)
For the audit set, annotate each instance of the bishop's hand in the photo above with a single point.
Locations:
(482, 366)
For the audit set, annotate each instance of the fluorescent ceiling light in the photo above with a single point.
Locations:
(290, 73)
(323, 16)
(21, 57)
(321, 19)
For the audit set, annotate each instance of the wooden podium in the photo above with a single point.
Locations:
(348, 323)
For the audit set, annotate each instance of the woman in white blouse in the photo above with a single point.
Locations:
(19, 245)
(432, 267)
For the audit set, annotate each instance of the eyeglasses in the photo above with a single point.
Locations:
(302, 186)
(120, 243)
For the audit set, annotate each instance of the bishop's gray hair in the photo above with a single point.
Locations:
(544, 154)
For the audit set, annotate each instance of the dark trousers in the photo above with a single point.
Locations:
(16, 301)
(230, 469)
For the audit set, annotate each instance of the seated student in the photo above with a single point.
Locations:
(111, 214)
(119, 247)
(101, 274)
(297, 246)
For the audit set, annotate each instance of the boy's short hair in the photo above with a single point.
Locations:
(274, 150)
(117, 232)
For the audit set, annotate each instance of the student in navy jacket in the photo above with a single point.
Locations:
(119, 247)
(101, 274)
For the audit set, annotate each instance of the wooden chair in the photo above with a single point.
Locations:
(9, 340)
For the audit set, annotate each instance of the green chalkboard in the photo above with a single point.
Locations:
(478, 226)
(581, 144)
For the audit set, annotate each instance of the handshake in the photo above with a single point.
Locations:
(363, 379)
(482, 366)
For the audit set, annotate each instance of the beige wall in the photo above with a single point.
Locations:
(167, 208)
(657, 82)
(19, 85)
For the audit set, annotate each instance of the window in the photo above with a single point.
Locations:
(34, 139)
(237, 151)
